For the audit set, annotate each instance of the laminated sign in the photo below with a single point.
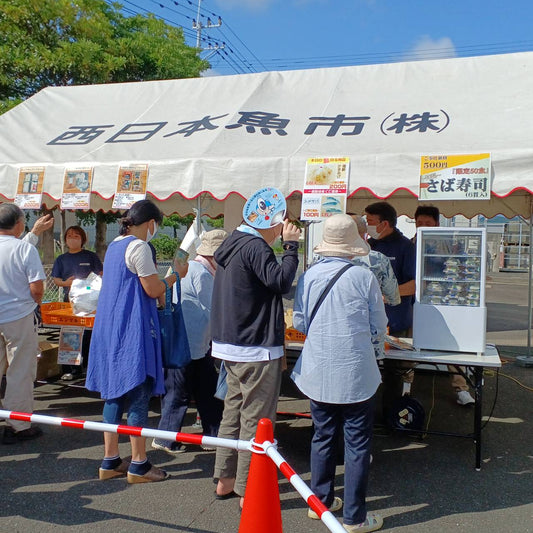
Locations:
(455, 177)
(131, 186)
(77, 185)
(30, 188)
(325, 187)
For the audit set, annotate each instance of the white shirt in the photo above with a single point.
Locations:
(245, 354)
(138, 257)
(20, 265)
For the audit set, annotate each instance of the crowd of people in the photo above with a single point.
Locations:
(231, 294)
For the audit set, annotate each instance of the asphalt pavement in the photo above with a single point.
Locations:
(417, 484)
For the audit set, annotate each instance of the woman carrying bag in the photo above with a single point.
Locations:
(125, 363)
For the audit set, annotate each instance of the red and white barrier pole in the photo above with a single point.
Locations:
(240, 445)
(266, 447)
(305, 492)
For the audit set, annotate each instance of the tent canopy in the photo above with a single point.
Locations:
(223, 137)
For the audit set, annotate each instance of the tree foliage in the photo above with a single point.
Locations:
(73, 42)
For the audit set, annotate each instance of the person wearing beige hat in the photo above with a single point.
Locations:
(339, 307)
(199, 378)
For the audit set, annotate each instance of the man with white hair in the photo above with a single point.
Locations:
(21, 290)
(339, 307)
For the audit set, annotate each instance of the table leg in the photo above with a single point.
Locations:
(478, 395)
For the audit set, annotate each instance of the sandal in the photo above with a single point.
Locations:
(120, 470)
(153, 475)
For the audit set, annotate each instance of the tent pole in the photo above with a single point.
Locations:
(527, 360)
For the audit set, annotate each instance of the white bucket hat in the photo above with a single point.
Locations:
(211, 240)
(340, 238)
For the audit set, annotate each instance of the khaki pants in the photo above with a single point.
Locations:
(19, 347)
(253, 391)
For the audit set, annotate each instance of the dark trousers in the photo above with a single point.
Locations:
(199, 380)
(356, 419)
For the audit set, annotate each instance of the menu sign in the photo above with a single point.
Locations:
(325, 187)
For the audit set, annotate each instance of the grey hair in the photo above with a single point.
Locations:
(10, 214)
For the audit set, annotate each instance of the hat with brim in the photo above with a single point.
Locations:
(211, 240)
(340, 238)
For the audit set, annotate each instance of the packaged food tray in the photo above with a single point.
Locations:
(60, 314)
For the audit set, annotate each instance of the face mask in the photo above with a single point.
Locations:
(74, 243)
(149, 234)
(373, 232)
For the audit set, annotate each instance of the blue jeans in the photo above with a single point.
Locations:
(197, 379)
(357, 420)
(138, 399)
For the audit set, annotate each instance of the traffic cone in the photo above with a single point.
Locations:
(261, 512)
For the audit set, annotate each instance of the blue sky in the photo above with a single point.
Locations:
(292, 34)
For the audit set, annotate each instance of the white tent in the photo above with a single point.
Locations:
(223, 137)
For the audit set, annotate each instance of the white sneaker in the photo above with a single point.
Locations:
(373, 522)
(464, 398)
(335, 506)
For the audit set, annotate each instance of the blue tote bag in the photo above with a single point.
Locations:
(174, 343)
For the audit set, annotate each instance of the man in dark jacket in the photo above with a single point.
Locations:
(247, 326)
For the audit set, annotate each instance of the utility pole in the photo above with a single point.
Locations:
(198, 26)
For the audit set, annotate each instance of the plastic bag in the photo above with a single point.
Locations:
(84, 294)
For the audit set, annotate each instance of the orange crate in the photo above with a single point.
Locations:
(292, 334)
(60, 314)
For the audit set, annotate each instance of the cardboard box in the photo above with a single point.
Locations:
(47, 366)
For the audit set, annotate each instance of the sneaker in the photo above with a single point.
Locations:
(373, 522)
(11, 436)
(67, 377)
(335, 506)
(464, 398)
(174, 449)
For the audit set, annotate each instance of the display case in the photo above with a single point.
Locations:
(449, 310)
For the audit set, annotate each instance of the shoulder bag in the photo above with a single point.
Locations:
(174, 342)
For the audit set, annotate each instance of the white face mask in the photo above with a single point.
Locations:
(373, 232)
(149, 234)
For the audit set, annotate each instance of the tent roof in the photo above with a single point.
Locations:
(233, 134)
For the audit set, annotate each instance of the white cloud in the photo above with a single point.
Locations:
(428, 48)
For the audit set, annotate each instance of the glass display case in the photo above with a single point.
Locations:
(449, 311)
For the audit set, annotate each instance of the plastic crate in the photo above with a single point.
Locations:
(60, 314)
(292, 334)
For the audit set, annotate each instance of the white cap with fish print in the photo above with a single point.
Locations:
(265, 208)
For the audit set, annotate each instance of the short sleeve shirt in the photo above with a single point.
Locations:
(401, 253)
(20, 265)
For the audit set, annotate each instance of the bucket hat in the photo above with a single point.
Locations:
(340, 238)
(265, 208)
(211, 240)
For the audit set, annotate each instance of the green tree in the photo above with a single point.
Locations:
(176, 222)
(77, 42)
(67, 42)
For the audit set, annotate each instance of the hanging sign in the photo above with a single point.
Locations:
(77, 185)
(455, 177)
(325, 187)
(70, 343)
(30, 188)
(131, 186)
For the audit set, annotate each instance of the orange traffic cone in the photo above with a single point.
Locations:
(261, 512)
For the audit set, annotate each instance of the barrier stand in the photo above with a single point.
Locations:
(268, 447)
(262, 491)
(261, 512)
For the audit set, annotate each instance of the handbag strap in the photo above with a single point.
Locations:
(168, 296)
(326, 290)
